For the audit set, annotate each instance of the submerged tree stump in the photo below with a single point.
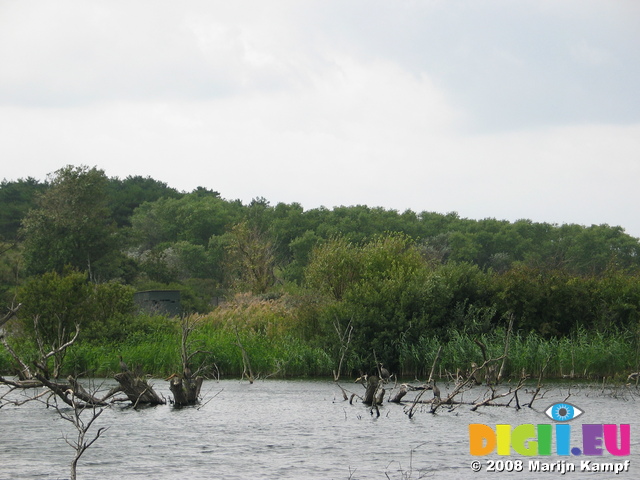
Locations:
(372, 386)
(185, 391)
(137, 389)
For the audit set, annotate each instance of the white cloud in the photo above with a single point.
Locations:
(590, 55)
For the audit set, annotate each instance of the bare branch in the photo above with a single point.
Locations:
(64, 346)
(10, 314)
(26, 372)
(495, 395)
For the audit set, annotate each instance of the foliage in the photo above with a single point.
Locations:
(195, 217)
(250, 258)
(128, 194)
(16, 198)
(334, 266)
(71, 224)
(272, 317)
(10, 265)
(408, 282)
(59, 302)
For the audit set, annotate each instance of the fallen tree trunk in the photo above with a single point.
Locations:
(21, 383)
(397, 398)
(79, 392)
(137, 389)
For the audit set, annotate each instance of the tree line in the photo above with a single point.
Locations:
(78, 244)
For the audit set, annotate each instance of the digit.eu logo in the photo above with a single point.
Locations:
(530, 439)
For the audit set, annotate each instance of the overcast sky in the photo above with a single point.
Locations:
(504, 109)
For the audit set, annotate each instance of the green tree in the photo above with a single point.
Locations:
(250, 258)
(596, 248)
(334, 266)
(194, 218)
(389, 304)
(16, 199)
(53, 306)
(128, 194)
(300, 248)
(71, 224)
(10, 262)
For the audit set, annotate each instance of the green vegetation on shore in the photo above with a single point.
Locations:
(303, 289)
(582, 356)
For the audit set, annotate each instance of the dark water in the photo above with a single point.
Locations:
(290, 430)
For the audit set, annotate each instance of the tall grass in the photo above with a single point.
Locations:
(159, 355)
(585, 354)
(271, 332)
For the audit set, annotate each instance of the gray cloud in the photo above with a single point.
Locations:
(492, 108)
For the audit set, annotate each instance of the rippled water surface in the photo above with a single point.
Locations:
(288, 430)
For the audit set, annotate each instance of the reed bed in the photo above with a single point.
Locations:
(584, 354)
(219, 354)
(270, 334)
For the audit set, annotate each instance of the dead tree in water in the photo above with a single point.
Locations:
(186, 391)
(71, 393)
(42, 374)
(506, 348)
(539, 386)
(246, 364)
(345, 340)
(397, 398)
(82, 439)
(186, 387)
(489, 366)
(137, 389)
(370, 392)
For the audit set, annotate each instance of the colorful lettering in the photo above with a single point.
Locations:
(530, 440)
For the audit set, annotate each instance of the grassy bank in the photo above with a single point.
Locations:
(159, 355)
(583, 355)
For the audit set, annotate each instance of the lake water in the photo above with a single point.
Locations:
(277, 429)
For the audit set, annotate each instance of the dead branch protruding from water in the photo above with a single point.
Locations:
(539, 386)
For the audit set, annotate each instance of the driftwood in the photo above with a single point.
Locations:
(137, 389)
(397, 398)
(21, 383)
(436, 402)
(495, 395)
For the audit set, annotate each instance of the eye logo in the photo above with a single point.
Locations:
(563, 412)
